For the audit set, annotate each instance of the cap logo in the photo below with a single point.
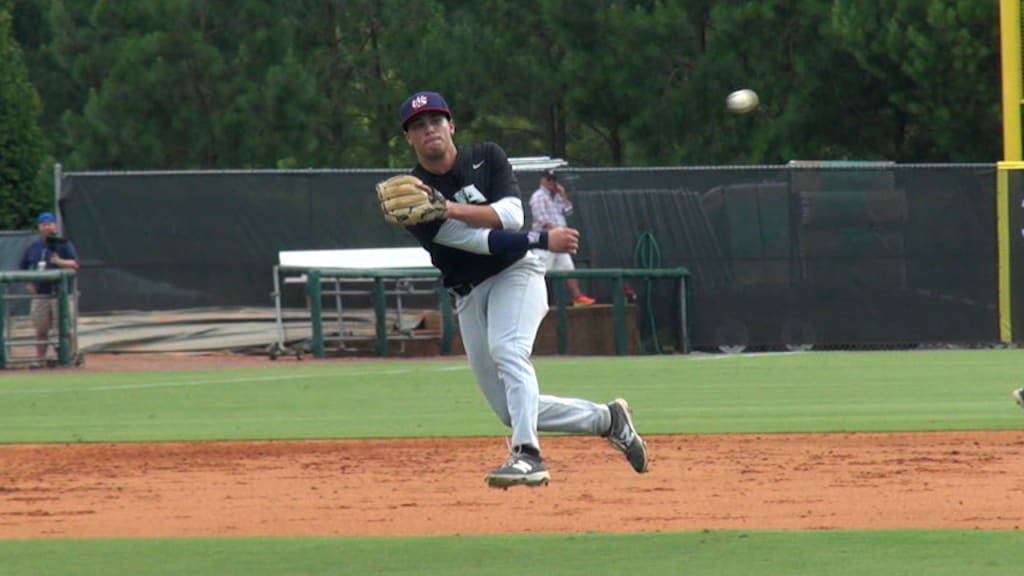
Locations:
(419, 101)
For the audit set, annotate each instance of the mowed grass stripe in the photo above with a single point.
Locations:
(708, 553)
(808, 392)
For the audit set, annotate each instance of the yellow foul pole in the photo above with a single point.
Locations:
(1010, 50)
(1010, 26)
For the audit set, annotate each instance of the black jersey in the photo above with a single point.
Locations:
(482, 175)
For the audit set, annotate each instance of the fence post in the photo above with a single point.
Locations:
(686, 292)
(562, 328)
(447, 322)
(619, 298)
(313, 293)
(3, 325)
(63, 322)
(380, 312)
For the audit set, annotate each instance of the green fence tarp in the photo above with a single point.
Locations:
(847, 255)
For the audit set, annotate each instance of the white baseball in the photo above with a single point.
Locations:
(742, 101)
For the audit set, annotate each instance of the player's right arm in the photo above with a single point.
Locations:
(457, 234)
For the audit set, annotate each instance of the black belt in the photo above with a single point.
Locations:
(462, 289)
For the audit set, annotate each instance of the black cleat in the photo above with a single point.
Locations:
(623, 436)
(522, 469)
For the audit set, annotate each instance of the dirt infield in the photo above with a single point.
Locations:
(435, 486)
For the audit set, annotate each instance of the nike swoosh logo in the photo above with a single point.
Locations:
(479, 164)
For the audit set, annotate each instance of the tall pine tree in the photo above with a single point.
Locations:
(22, 145)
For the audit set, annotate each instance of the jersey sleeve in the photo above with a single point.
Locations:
(503, 179)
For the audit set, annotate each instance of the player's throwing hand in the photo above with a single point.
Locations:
(563, 240)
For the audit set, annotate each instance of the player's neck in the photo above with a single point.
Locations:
(440, 164)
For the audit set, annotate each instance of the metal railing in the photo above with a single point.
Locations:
(379, 292)
(682, 295)
(64, 281)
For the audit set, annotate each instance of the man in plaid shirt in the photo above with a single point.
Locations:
(549, 206)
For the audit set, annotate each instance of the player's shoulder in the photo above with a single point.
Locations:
(486, 150)
(492, 147)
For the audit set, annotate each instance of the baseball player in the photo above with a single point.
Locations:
(462, 202)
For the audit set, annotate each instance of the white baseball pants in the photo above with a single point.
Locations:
(498, 321)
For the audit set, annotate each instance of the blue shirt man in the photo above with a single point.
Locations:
(49, 252)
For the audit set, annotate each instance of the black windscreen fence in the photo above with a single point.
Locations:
(806, 254)
(153, 241)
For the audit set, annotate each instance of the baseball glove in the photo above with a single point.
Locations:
(403, 202)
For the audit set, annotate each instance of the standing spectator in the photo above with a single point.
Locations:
(549, 206)
(48, 252)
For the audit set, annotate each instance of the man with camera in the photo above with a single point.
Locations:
(48, 252)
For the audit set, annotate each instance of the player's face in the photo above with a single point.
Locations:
(430, 135)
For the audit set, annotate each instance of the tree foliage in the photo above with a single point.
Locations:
(22, 145)
(938, 82)
(179, 84)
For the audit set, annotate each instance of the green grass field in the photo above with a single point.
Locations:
(821, 391)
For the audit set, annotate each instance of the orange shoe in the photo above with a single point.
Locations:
(583, 300)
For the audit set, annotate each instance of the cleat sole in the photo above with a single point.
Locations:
(508, 482)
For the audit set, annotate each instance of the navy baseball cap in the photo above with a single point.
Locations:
(46, 217)
(421, 102)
